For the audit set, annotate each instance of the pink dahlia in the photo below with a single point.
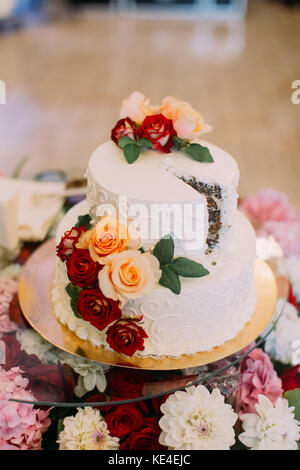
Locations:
(266, 205)
(287, 234)
(257, 377)
(21, 425)
(8, 288)
(6, 325)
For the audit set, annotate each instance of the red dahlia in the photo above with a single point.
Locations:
(126, 337)
(82, 270)
(124, 128)
(94, 307)
(68, 242)
(159, 130)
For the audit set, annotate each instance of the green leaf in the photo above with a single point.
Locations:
(60, 426)
(144, 142)
(125, 141)
(84, 220)
(141, 249)
(293, 397)
(188, 268)
(73, 292)
(179, 143)
(170, 280)
(164, 250)
(73, 304)
(131, 152)
(199, 153)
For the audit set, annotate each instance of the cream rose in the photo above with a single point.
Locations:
(108, 237)
(187, 122)
(128, 275)
(136, 107)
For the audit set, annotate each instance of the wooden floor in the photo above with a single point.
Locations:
(65, 82)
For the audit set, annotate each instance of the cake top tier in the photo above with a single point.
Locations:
(152, 145)
(155, 156)
(155, 175)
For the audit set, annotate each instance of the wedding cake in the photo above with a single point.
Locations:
(157, 261)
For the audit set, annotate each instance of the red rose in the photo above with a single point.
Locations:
(26, 251)
(15, 312)
(51, 382)
(124, 128)
(126, 337)
(159, 130)
(82, 270)
(127, 383)
(291, 378)
(292, 299)
(68, 242)
(15, 357)
(124, 419)
(94, 307)
(12, 351)
(144, 439)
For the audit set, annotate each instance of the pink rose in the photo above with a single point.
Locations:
(266, 205)
(136, 107)
(258, 377)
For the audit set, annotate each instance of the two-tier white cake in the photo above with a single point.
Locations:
(210, 309)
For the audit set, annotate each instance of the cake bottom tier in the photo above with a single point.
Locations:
(208, 312)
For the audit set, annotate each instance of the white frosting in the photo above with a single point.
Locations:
(208, 311)
(155, 178)
(145, 178)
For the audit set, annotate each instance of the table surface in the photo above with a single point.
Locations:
(65, 82)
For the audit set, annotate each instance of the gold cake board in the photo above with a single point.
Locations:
(35, 286)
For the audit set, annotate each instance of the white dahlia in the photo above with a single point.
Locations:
(33, 343)
(91, 374)
(273, 428)
(283, 340)
(87, 430)
(12, 271)
(195, 419)
(293, 269)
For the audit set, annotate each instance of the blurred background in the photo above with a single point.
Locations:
(66, 65)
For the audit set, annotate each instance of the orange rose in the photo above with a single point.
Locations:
(128, 275)
(187, 122)
(106, 238)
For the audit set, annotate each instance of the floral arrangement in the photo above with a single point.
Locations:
(173, 125)
(264, 413)
(21, 426)
(107, 267)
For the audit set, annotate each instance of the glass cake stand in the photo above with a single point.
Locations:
(55, 376)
